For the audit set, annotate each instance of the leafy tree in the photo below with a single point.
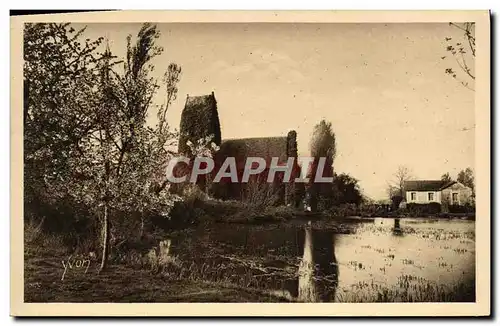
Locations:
(133, 155)
(322, 145)
(323, 142)
(346, 189)
(464, 53)
(466, 177)
(204, 147)
(446, 178)
(60, 72)
(171, 78)
(106, 157)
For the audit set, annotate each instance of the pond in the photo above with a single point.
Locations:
(356, 260)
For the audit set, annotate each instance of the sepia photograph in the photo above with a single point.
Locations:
(280, 161)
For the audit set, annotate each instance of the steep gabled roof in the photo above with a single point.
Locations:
(264, 147)
(426, 185)
(449, 184)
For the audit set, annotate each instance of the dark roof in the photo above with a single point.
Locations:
(199, 119)
(265, 147)
(426, 185)
(201, 101)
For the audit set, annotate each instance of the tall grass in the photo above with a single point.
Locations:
(37, 241)
(409, 289)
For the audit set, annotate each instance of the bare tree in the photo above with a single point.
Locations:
(464, 53)
(260, 194)
(391, 190)
(402, 175)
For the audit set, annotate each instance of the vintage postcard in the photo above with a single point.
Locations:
(165, 162)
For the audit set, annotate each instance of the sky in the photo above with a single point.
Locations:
(382, 86)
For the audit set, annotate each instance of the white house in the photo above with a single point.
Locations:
(437, 191)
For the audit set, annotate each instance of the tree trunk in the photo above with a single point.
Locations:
(142, 225)
(105, 238)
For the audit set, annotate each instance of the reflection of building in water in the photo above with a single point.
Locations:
(261, 259)
(307, 287)
(318, 271)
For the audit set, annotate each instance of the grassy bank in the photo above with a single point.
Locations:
(154, 275)
(120, 283)
(56, 272)
(184, 282)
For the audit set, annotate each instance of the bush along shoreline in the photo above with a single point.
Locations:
(244, 213)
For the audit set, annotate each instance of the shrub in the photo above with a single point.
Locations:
(461, 208)
(280, 212)
(371, 210)
(189, 208)
(38, 240)
(396, 201)
(423, 209)
(159, 257)
(344, 210)
(259, 194)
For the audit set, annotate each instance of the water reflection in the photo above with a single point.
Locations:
(317, 275)
(307, 291)
(397, 228)
(322, 263)
(265, 259)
